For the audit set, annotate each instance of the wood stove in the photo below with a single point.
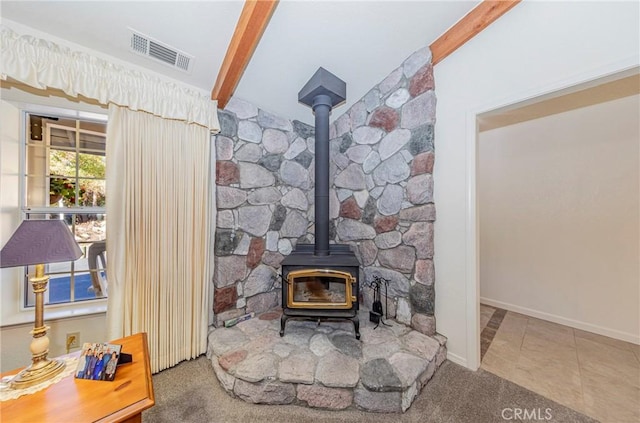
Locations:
(320, 287)
(321, 281)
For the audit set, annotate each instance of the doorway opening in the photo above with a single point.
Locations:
(557, 187)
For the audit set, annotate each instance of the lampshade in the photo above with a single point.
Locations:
(40, 241)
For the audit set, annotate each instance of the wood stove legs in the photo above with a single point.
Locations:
(356, 326)
(354, 320)
(283, 322)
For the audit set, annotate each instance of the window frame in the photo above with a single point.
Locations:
(70, 308)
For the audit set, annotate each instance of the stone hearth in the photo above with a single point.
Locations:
(323, 365)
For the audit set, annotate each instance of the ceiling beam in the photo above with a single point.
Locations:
(468, 27)
(251, 24)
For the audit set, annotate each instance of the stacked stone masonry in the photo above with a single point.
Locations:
(381, 197)
(323, 365)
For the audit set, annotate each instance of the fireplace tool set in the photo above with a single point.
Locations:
(376, 312)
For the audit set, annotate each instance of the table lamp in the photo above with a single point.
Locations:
(37, 242)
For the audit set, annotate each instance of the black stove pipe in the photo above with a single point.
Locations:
(322, 92)
(322, 108)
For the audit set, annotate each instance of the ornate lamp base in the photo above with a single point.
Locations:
(41, 368)
(37, 373)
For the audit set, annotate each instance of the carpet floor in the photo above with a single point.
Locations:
(190, 393)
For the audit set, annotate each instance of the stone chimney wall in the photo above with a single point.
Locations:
(381, 167)
(264, 193)
(381, 197)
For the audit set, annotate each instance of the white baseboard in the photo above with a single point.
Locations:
(456, 359)
(577, 324)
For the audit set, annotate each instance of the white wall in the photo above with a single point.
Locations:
(15, 340)
(534, 49)
(558, 205)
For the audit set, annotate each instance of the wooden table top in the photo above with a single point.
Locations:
(79, 400)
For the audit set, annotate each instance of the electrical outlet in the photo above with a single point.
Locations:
(73, 340)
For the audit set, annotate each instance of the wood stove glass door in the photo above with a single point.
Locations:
(320, 288)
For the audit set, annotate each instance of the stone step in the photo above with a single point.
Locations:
(322, 365)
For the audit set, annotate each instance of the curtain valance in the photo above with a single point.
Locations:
(42, 64)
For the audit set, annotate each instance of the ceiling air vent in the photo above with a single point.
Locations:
(147, 46)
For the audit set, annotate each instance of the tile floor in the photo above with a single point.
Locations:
(590, 373)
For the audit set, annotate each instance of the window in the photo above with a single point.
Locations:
(64, 178)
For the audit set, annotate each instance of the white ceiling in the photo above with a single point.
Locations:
(361, 42)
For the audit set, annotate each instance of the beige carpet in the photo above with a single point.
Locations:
(190, 392)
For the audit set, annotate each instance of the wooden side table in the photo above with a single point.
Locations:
(80, 400)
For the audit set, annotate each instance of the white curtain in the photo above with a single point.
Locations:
(158, 208)
(43, 64)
